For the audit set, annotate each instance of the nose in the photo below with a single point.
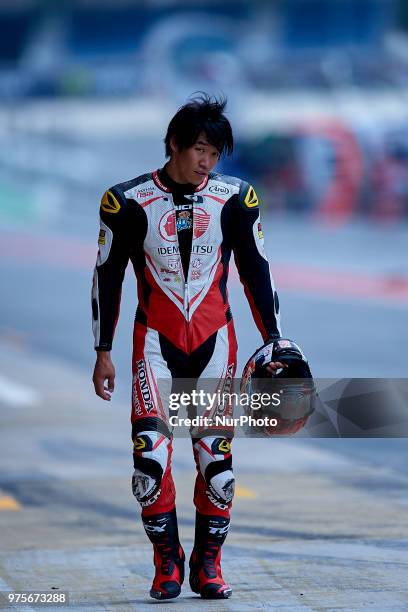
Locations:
(205, 163)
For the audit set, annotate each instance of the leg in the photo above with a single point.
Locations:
(214, 488)
(152, 482)
(213, 495)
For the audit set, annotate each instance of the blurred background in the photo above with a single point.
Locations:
(318, 99)
(318, 93)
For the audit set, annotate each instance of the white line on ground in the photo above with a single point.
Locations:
(16, 394)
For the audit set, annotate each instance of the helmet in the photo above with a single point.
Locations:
(292, 389)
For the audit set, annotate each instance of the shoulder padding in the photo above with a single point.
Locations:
(139, 180)
(114, 198)
(112, 201)
(247, 196)
(223, 178)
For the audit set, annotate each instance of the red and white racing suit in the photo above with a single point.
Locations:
(183, 326)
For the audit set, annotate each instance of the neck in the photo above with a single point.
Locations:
(174, 172)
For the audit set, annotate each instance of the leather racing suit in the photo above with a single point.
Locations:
(183, 325)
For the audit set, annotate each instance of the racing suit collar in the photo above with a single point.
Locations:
(173, 185)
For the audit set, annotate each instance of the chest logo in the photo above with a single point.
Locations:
(184, 220)
(167, 224)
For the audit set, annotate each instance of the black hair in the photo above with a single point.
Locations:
(202, 113)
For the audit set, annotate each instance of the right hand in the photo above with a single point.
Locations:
(272, 367)
(104, 371)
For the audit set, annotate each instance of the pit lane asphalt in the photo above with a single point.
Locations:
(318, 524)
(312, 529)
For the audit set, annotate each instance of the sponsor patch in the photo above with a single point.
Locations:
(104, 243)
(183, 207)
(215, 501)
(137, 409)
(218, 189)
(201, 222)
(109, 203)
(173, 250)
(173, 263)
(228, 379)
(220, 530)
(196, 249)
(149, 502)
(145, 193)
(184, 221)
(167, 226)
(101, 239)
(168, 275)
(155, 528)
(229, 489)
(139, 444)
(144, 386)
(224, 446)
(202, 249)
(167, 271)
(159, 183)
(251, 199)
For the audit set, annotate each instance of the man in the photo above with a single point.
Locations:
(178, 226)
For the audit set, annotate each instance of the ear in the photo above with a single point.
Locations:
(173, 145)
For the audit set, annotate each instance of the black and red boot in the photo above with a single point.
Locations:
(168, 557)
(205, 561)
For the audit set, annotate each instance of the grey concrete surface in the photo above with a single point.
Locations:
(313, 529)
(317, 524)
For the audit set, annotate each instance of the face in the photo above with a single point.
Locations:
(193, 164)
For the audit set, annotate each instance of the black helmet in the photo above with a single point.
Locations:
(293, 387)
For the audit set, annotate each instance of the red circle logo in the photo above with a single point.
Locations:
(201, 222)
(167, 226)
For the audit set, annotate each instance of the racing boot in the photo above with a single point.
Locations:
(168, 556)
(205, 569)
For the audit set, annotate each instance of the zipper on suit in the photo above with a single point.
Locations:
(186, 290)
(186, 301)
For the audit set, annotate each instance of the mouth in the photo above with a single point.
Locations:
(200, 173)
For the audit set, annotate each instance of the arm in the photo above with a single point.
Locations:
(252, 263)
(112, 259)
(104, 370)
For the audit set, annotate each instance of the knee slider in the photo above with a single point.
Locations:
(220, 480)
(215, 464)
(150, 458)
